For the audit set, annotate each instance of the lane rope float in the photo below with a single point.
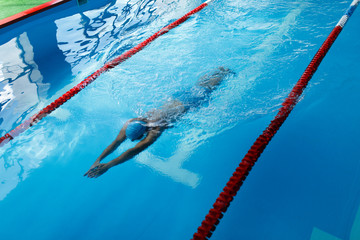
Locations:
(109, 65)
(222, 203)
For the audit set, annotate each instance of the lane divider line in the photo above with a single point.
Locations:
(109, 65)
(222, 203)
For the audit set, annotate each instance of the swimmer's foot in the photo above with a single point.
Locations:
(226, 70)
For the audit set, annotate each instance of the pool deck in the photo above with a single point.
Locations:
(9, 8)
(29, 10)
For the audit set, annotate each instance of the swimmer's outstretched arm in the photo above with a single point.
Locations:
(115, 144)
(101, 168)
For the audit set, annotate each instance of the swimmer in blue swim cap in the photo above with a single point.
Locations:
(135, 130)
(147, 129)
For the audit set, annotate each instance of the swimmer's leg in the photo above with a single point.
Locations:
(214, 79)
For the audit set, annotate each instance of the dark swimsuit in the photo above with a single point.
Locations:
(193, 97)
(188, 99)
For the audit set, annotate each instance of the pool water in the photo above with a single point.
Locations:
(305, 185)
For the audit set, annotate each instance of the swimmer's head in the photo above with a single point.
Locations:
(135, 130)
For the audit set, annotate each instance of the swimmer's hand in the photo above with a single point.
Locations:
(97, 171)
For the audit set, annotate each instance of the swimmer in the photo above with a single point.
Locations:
(148, 129)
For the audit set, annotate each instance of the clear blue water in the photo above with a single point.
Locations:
(305, 185)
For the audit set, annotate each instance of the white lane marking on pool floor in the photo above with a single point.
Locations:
(318, 234)
(172, 167)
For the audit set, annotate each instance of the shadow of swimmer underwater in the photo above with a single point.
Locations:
(148, 129)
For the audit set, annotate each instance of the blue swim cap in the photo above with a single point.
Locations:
(135, 130)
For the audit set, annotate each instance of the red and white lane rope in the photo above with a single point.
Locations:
(221, 204)
(109, 65)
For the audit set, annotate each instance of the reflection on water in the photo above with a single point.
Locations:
(21, 82)
(21, 88)
(96, 36)
(16, 165)
(18, 159)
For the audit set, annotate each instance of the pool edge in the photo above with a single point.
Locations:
(30, 12)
